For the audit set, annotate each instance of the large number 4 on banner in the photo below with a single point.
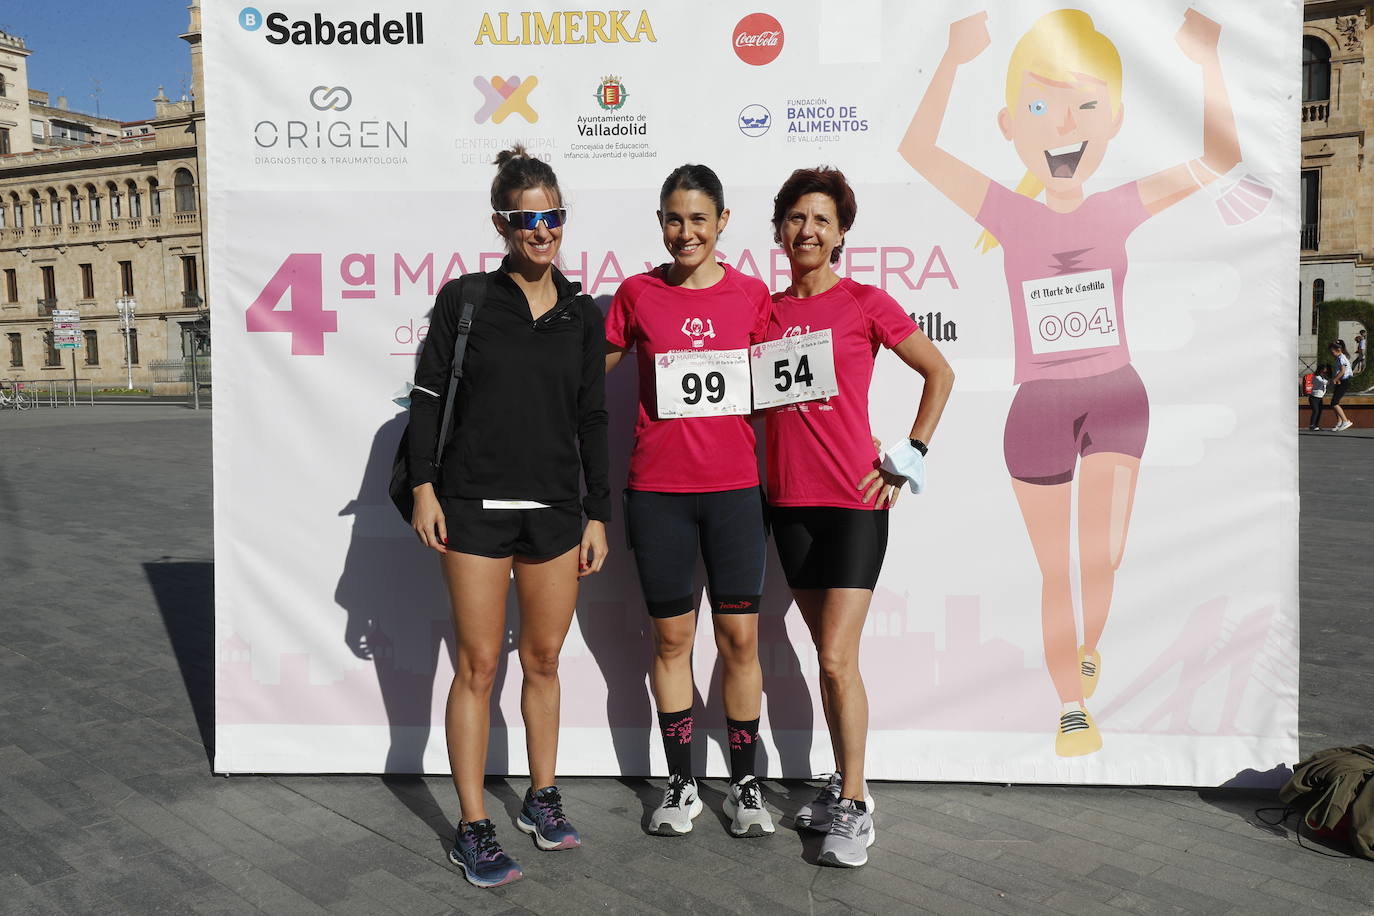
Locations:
(306, 320)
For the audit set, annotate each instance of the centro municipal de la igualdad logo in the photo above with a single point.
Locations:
(504, 96)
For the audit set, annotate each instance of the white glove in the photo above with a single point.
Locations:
(904, 460)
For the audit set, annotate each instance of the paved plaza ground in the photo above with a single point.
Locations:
(108, 805)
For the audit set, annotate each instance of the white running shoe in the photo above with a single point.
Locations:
(1343, 425)
(815, 814)
(744, 807)
(851, 833)
(681, 804)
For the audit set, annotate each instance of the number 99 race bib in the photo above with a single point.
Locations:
(1071, 312)
(702, 383)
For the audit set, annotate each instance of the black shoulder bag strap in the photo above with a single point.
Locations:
(473, 292)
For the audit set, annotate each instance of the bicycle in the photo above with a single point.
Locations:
(15, 397)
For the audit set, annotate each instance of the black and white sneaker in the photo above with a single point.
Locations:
(681, 804)
(744, 807)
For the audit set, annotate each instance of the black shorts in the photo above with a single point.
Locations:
(536, 534)
(665, 530)
(830, 547)
(1338, 391)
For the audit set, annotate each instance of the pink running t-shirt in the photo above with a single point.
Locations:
(694, 454)
(818, 451)
(1072, 326)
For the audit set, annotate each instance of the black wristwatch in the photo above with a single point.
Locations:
(919, 446)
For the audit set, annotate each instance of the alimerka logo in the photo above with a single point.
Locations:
(318, 30)
(565, 27)
(503, 97)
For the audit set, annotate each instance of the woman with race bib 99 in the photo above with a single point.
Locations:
(693, 483)
(828, 487)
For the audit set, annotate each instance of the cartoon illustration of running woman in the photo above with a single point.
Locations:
(1080, 406)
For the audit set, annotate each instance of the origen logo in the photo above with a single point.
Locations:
(758, 39)
(325, 98)
(503, 97)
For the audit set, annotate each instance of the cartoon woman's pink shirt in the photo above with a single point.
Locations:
(1065, 273)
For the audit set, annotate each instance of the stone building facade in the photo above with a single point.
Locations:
(1337, 191)
(85, 225)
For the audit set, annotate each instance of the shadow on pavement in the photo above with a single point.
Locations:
(185, 593)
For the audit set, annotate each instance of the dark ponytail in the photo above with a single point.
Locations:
(693, 177)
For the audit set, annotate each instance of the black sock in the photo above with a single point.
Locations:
(744, 737)
(676, 729)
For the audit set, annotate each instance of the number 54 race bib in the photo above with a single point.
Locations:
(702, 383)
(1071, 312)
(793, 369)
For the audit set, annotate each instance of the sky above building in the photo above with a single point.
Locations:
(107, 58)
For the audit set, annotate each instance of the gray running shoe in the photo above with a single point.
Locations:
(744, 807)
(851, 833)
(681, 803)
(815, 815)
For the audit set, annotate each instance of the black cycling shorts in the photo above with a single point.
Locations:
(830, 547)
(665, 530)
(536, 534)
(1338, 391)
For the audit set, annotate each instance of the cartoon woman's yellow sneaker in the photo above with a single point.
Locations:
(1090, 664)
(1078, 734)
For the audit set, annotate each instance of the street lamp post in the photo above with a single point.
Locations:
(126, 306)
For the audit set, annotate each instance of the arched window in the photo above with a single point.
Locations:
(115, 200)
(1316, 69)
(185, 191)
(37, 206)
(135, 201)
(18, 209)
(1318, 297)
(4, 214)
(154, 198)
(55, 206)
(93, 199)
(75, 197)
(3, 90)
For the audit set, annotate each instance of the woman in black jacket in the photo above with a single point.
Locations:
(530, 411)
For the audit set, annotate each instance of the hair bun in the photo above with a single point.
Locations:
(517, 151)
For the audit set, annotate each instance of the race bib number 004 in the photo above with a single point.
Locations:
(702, 383)
(794, 369)
(1071, 312)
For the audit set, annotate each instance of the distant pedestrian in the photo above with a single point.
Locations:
(1341, 372)
(1320, 382)
(1360, 340)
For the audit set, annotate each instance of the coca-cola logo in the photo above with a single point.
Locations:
(758, 39)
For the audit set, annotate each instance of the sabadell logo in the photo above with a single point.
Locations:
(758, 39)
(317, 30)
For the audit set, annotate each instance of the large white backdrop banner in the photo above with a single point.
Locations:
(350, 161)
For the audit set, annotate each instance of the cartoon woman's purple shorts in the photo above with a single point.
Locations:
(1054, 421)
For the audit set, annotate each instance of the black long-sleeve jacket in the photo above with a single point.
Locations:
(531, 406)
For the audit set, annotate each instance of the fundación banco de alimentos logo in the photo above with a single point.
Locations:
(755, 120)
(502, 97)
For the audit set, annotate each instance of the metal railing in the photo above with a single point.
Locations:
(1309, 237)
